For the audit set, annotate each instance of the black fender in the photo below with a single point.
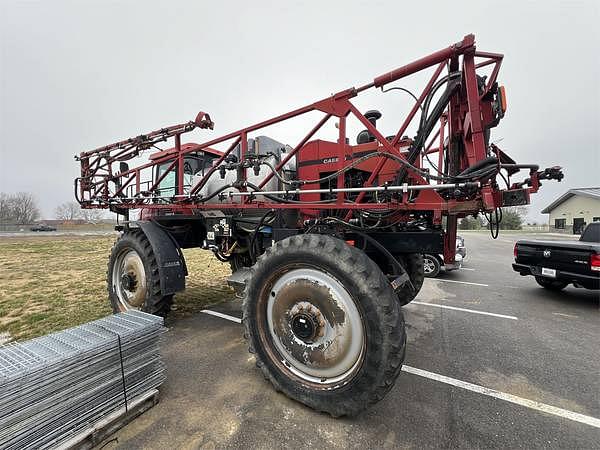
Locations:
(172, 269)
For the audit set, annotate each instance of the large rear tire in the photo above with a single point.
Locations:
(133, 278)
(324, 324)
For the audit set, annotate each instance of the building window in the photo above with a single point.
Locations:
(596, 219)
(559, 224)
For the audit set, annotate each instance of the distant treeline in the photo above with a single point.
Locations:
(21, 208)
(512, 219)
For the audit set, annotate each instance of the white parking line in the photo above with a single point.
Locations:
(532, 404)
(466, 268)
(221, 315)
(564, 413)
(461, 282)
(474, 311)
(570, 316)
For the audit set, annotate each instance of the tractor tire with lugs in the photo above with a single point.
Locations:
(133, 278)
(324, 324)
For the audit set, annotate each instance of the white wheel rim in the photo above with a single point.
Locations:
(335, 348)
(129, 296)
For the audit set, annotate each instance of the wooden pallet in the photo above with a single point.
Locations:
(110, 424)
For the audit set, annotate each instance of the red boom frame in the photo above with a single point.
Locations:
(467, 115)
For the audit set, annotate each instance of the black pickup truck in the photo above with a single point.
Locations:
(555, 264)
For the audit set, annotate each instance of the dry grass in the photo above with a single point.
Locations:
(50, 283)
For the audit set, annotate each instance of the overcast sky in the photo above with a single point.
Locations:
(75, 75)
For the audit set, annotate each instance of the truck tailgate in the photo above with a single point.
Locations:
(568, 256)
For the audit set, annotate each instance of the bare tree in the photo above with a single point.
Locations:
(5, 208)
(21, 208)
(68, 211)
(91, 215)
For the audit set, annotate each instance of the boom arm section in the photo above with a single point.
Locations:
(396, 175)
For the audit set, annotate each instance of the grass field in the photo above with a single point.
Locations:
(51, 283)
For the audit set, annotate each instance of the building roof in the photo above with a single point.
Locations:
(592, 192)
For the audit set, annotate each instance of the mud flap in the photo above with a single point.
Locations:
(401, 281)
(171, 264)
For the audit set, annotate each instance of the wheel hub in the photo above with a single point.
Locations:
(307, 322)
(428, 265)
(128, 281)
(304, 327)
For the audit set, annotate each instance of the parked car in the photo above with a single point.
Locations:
(556, 264)
(42, 227)
(434, 264)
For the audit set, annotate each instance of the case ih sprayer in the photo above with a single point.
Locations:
(325, 239)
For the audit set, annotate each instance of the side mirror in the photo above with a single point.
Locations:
(123, 167)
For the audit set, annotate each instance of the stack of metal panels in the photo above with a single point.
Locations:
(57, 385)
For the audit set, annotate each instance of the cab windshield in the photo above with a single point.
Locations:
(168, 185)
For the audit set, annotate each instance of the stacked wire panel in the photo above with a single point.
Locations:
(54, 387)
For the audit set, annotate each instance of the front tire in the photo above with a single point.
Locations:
(133, 278)
(552, 285)
(324, 324)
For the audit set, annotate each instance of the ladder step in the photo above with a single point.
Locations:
(237, 280)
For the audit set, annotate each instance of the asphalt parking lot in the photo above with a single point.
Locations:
(515, 366)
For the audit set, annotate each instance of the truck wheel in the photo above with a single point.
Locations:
(413, 264)
(133, 279)
(431, 266)
(553, 285)
(324, 324)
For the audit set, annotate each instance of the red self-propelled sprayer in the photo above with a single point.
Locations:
(325, 238)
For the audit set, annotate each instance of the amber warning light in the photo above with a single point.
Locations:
(502, 99)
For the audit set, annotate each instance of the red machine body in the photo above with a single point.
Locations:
(321, 158)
